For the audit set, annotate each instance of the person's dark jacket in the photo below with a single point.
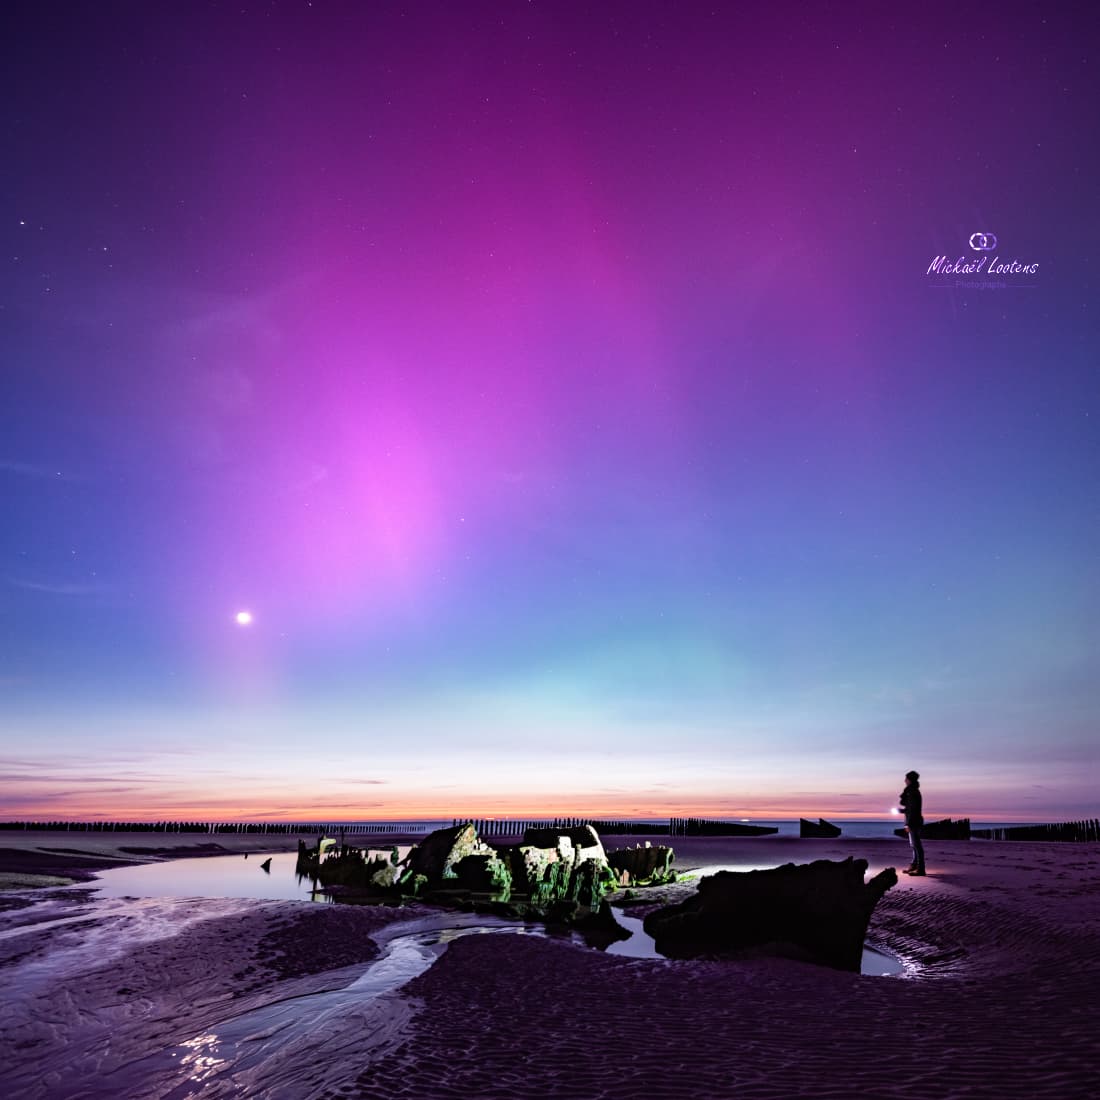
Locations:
(911, 805)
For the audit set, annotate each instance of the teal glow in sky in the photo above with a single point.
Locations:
(568, 395)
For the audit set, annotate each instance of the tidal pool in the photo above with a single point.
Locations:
(211, 877)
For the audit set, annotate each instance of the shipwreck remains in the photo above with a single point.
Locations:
(643, 866)
(942, 830)
(817, 912)
(817, 829)
(560, 874)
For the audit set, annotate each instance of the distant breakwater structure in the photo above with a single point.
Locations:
(494, 827)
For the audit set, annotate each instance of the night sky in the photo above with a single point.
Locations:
(568, 394)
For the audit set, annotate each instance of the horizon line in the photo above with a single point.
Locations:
(534, 818)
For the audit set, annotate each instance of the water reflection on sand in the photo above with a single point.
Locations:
(212, 877)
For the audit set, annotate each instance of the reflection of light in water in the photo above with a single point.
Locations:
(879, 963)
(701, 872)
(202, 1061)
(230, 876)
(640, 945)
(211, 877)
(694, 873)
(449, 935)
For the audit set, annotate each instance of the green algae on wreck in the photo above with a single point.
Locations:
(560, 874)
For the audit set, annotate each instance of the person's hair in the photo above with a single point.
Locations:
(912, 775)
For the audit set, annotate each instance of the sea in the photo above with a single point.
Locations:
(862, 829)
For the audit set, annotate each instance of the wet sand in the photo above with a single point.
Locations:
(1002, 940)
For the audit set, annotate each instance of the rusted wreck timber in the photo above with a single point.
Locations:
(561, 873)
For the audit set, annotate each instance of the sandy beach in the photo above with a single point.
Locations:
(173, 997)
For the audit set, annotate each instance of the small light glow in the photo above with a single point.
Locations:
(894, 810)
(244, 618)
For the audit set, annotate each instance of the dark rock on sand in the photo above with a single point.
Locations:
(816, 911)
(816, 829)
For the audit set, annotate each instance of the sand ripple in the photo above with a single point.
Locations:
(1003, 942)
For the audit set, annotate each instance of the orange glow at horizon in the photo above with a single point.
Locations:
(470, 807)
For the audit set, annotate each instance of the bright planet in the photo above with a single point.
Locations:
(244, 618)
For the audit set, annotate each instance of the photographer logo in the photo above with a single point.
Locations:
(988, 271)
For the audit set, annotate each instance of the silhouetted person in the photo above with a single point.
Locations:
(911, 806)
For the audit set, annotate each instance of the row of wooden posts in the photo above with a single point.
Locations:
(308, 828)
(1074, 831)
(515, 827)
(1068, 830)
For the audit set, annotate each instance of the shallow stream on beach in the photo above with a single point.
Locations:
(284, 1049)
